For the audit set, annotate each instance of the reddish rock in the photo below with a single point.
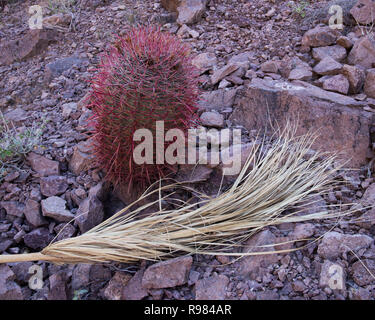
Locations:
(33, 214)
(303, 231)
(171, 5)
(300, 73)
(336, 52)
(342, 128)
(53, 185)
(251, 265)
(38, 239)
(345, 42)
(113, 290)
(361, 275)
(43, 166)
(82, 159)
(9, 290)
(89, 214)
(270, 66)
(218, 99)
(55, 207)
(328, 66)
(223, 72)
(81, 276)
(212, 288)
(58, 286)
(212, 119)
(190, 11)
(205, 61)
(334, 244)
(320, 37)
(355, 76)
(13, 208)
(166, 274)
(31, 44)
(369, 87)
(337, 83)
(134, 290)
(363, 12)
(363, 53)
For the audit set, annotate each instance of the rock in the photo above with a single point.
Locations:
(337, 83)
(38, 239)
(89, 214)
(205, 61)
(33, 214)
(298, 286)
(212, 288)
(303, 231)
(133, 289)
(53, 185)
(43, 166)
(99, 191)
(58, 286)
(212, 119)
(336, 52)
(355, 76)
(361, 275)
(68, 109)
(320, 37)
(31, 44)
(171, 5)
(82, 159)
(9, 290)
(16, 116)
(54, 207)
(300, 73)
(363, 53)
(190, 11)
(58, 19)
(333, 276)
(251, 265)
(221, 73)
(64, 231)
(218, 99)
(367, 220)
(369, 87)
(345, 42)
(81, 276)
(56, 68)
(341, 127)
(334, 244)
(359, 294)
(328, 66)
(242, 60)
(363, 12)
(167, 274)
(113, 290)
(368, 198)
(13, 208)
(270, 66)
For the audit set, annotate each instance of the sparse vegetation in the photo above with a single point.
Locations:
(299, 7)
(61, 6)
(15, 144)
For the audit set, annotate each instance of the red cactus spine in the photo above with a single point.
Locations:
(146, 76)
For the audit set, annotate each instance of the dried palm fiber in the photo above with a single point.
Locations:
(273, 181)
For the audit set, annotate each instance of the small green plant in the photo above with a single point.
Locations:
(78, 294)
(299, 7)
(61, 6)
(15, 144)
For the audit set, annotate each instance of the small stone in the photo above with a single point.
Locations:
(33, 214)
(42, 165)
(270, 66)
(337, 83)
(303, 231)
(363, 53)
(327, 66)
(190, 11)
(9, 290)
(113, 290)
(58, 286)
(336, 52)
(166, 274)
(345, 42)
(212, 288)
(363, 12)
(298, 286)
(320, 37)
(81, 276)
(82, 159)
(90, 213)
(300, 73)
(334, 244)
(53, 185)
(221, 73)
(38, 239)
(55, 207)
(13, 208)
(359, 294)
(356, 77)
(369, 87)
(16, 116)
(68, 109)
(133, 289)
(205, 61)
(361, 274)
(212, 119)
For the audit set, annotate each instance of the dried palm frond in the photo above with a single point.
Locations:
(272, 182)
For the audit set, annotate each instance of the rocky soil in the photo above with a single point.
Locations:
(258, 59)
